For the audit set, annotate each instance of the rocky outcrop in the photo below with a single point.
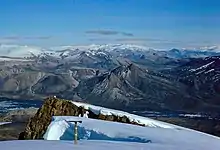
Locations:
(122, 119)
(37, 125)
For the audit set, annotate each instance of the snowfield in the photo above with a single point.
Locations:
(122, 134)
(86, 145)
(103, 135)
(155, 134)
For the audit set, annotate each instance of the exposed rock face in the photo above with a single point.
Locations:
(37, 125)
(202, 77)
(123, 119)
(134, 88)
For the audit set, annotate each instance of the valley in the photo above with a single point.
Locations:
(128, 77)
(131, 78)
(109, 74)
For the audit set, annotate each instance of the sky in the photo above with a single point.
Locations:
(154, 23)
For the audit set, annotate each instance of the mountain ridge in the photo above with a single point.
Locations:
(123, 78)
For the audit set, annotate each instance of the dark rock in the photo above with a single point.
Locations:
(37, 125)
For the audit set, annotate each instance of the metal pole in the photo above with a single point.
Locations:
(75, 130)
(75, 133)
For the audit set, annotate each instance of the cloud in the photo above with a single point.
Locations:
(142, 40)
(99, 39)
(127, 34)
(9, 38)
(25, 37)
(108, 32)
(155, 42)
(102, 32)
(7, 41)
(134, 40)
(131, 40)
(37, 38)
(213, 47)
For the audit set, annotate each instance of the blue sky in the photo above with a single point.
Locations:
(154, 23)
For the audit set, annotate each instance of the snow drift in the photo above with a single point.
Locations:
(62, 129)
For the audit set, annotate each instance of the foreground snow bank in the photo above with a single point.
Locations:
(93, 145)
(91, 129)
(133, 118)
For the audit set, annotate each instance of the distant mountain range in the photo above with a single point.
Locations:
(118, 76)
(124, 50)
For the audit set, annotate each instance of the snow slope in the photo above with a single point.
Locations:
(202, 67)
(135, 118)
(102, 135)
(2, 123)
(120, 134)
(85, 145)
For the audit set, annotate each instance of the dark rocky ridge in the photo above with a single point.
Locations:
(202, 76)
(131, 87)
(37, 125)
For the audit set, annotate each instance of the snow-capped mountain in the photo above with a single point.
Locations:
(137, 51)
(134, 52)
(208, 67)
(106, 47)
(193, 53)
(202, 75)
(79, 71)
(100, 51)
(131, 87)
